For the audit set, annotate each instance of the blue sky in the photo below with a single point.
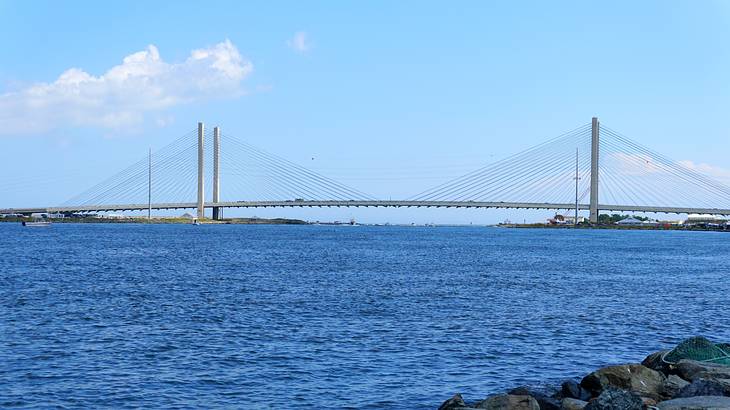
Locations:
(389, 97)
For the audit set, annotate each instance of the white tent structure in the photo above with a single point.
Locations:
(630, 221)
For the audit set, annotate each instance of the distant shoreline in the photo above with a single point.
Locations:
(287, 221)
(619, 227)
(166, 221)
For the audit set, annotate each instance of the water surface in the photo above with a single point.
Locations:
(314, 316)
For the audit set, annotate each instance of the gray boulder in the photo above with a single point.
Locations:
(571, 389)
(672, 385)
(654, 361)
(573, 404)
(692, 370)
(703, 387)
(455, 402)
(543, 398)
(615, 399)
(633, 377)
(509, 402)
(696, 403)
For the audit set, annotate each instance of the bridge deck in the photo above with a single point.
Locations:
(374, 203)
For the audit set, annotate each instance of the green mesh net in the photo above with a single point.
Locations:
(700, 349)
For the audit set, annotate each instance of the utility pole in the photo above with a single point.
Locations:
(576, 187)
(595, 125)
(149, 187)
(201, 169)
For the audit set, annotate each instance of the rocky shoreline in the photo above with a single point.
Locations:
(693, 381)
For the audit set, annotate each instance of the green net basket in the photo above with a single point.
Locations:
(699, 349)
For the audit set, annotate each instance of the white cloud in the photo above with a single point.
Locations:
(717, 173)
(300, 42)
(164, 121)
(632, 164)
(120, 98)
(641, 165)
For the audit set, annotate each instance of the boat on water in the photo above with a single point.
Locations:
(36, 223)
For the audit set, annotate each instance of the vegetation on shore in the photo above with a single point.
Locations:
(613, 218)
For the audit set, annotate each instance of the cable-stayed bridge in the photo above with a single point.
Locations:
(591, 168)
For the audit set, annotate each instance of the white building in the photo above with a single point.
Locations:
(704, 219)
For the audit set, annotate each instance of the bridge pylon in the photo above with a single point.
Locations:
(216, 172)
(201, 171)
(593, 207)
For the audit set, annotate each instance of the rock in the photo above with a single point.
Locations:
(615, 399)
(509, 402)
(725, 383)
(703, 387)
(453, 403)
(571, 389)
(672, 385)
(654, 361)
(542, 397)
(692, 370)
(573, 404)
(633, 377)
(696, 403)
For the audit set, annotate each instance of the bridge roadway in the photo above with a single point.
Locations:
(371, 203)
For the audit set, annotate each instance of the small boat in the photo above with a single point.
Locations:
(196, 222)
(36, 223)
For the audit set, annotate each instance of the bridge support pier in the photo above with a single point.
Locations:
(595, 125)
(216, 172)
(201, 172)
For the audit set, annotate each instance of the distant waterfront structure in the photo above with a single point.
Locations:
(630, 221)
(705, 219)
(559, 219)
(115, 216)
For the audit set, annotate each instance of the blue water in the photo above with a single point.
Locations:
(312, 316)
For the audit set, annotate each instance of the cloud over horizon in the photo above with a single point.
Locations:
(300, 42)
(125, 94)
(720, 174)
